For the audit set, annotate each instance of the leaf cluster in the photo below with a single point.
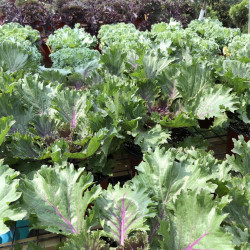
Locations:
(169, 204)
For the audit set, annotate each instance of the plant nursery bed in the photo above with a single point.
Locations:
(110, 132)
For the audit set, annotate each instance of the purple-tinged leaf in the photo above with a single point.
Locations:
(195, 224)
(59, 197)
(36, 94)
(71, 105)
(123, 210)
(45, 126)
(164, 177)
(213, 102)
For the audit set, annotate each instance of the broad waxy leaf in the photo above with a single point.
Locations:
(213, 102)
(154, 65)
(7, 81)
(45, 126)
(125, 108)
(25, 147)
(124, 210)
(36, 94)
(240, 69)
(195, 224)
(238, 208)
(149, 91)
(240, 237)
(13, 58)
(164, 177)
(239, 190)
(53, 74)
(8, 194)
(179, 121)
(244, 110)
(71, 105)
(57, 198)
(193, 79)
(240, 162)
(236, 74)
(152, 138)
(11, 106)
(167, 81)
(5, 125)
(113, 60)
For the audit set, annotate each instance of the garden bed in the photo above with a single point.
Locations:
(120, 139)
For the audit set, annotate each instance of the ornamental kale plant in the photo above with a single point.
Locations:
(14, 58)
(124, 36)
(72, 47)
(176, 94)
(213, 29)
(123, 211)
(235, 72)
(24, 37)
(62, 126)
(73, 57)
(170, 184)
(71, 38)
(195, 224)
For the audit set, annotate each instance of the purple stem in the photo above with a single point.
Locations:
(190, 247)
(59, 213)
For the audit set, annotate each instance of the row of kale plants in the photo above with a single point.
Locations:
(61, 125)
(48, 15)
